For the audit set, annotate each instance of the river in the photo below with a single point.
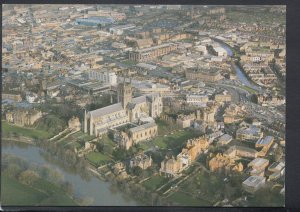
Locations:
(93, 188)
(240, 74)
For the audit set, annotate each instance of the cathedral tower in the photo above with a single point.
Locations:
(124, 93)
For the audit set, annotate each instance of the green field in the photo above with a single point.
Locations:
(250, 90)
(56, 197)
(186, 200)
(163, 127)
(128, 62)
(155, 182)
(22, 131)
(13, 193)
(173, 141)
(145, 145)
(97, 158)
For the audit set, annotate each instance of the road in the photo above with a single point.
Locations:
(236, 92)
(122, 65)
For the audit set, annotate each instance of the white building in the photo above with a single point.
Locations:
(221, 52)
(104, 76)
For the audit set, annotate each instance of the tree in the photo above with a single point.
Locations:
(28, 177)
(137, 170)
(119, 154)
(248, 120)
(68, 187)
(12, 170)
(55, 176)
(254, 98)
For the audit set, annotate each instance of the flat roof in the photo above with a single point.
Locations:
(251, 130)
(154, 47)
(265, 141)
(225, 137)
(254, 180)
(142, 127)
(240, 148)
(276, 166)
(258, 162)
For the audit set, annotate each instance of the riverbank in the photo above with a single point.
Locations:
(27, 184)
(235, 63)
(25, 140)
(238, 64)
(8, 129)
(97, 192)
(41, 193)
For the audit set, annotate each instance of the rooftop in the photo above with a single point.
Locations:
(107, 110)
(142, 127)
(265, 141)
(258, 162)
(155, 47)
(253, 181)
(276, 166)
(225, 137)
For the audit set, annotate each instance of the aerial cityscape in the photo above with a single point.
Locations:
(143, 105)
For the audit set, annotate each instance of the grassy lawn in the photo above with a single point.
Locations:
(32, 133)
(250, 90)
(97, 158)
(169, 137)
(128, 62)
(56, 197)
(145, 145)
(41, 193)
(160, 142)
(173, 141)
(186, 200)
(155, 182)
(15, 193)
(163, 127)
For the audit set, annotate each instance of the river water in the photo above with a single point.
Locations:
(93, 188)
(240, 74)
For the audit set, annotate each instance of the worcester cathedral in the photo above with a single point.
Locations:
(127, 110)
